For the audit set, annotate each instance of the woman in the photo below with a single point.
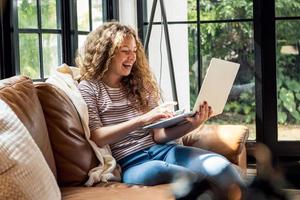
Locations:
(122, 97)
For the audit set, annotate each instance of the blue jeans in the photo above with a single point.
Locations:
(161, 163)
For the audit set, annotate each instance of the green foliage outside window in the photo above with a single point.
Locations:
(29, 55)
(231, 41)
(288, 63)
(27, 14)
(234, 41)
(29, 42)
(288, 83)
(49, 14)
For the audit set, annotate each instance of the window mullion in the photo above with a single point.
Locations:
(13, 38)
(265, 72)
(68, 21)
(141, 16)
(199, 65)
(39, 19)
(74, 30)
(90, 15)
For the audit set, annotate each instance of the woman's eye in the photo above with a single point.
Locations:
(125, 51)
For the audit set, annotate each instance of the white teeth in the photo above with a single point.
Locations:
(126, 65)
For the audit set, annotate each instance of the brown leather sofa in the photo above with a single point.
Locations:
(55, 126)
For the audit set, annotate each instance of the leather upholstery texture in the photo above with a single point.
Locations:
(114, 191)
(73, 155)
(227, 140)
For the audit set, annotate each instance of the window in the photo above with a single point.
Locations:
(262, 36)
(48, 32)
(199, 31)
(39, 37)
(88, 18)
(288, 69)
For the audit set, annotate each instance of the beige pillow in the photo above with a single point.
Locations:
(24, 173)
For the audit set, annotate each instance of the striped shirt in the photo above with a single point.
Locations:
(110, 106)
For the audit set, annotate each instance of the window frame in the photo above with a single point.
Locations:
(39, 31)
(7, 67)
(9, 61)
(264, 20)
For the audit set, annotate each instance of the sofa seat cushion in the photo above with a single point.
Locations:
(24, 173)
(113, 191)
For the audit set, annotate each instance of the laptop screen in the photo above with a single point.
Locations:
(217, 84)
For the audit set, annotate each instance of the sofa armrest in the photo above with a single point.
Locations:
(227, 140)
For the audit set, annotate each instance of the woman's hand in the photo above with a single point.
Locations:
(204, 113)
(162, 111)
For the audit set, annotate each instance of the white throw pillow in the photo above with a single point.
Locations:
(24, 173)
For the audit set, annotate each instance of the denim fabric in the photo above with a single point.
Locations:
(162, 163)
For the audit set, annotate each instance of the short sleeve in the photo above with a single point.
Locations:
(89, 93)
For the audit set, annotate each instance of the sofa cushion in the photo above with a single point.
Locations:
(73, 154)
(227, 140)
(19, 93)
(24, 173)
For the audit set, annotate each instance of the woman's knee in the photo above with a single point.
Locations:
(153, 173)
(149, 173)
(213, 164)
(219, 169)
(208, 164)
(198, 160)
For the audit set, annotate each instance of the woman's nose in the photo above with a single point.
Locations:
(132, 55)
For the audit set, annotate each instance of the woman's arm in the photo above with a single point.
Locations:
(111, 134)
(168, 134)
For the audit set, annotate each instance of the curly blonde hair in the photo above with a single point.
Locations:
(96, 55)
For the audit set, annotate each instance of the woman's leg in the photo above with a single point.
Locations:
(146, 167)
(160, 163)
(211, 165)
(154, 172)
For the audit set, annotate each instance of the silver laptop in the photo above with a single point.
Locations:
(214, 90)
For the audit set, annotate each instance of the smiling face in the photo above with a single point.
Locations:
(122, 62)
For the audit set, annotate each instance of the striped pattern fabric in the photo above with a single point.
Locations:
(24, 173)
(110, 106)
